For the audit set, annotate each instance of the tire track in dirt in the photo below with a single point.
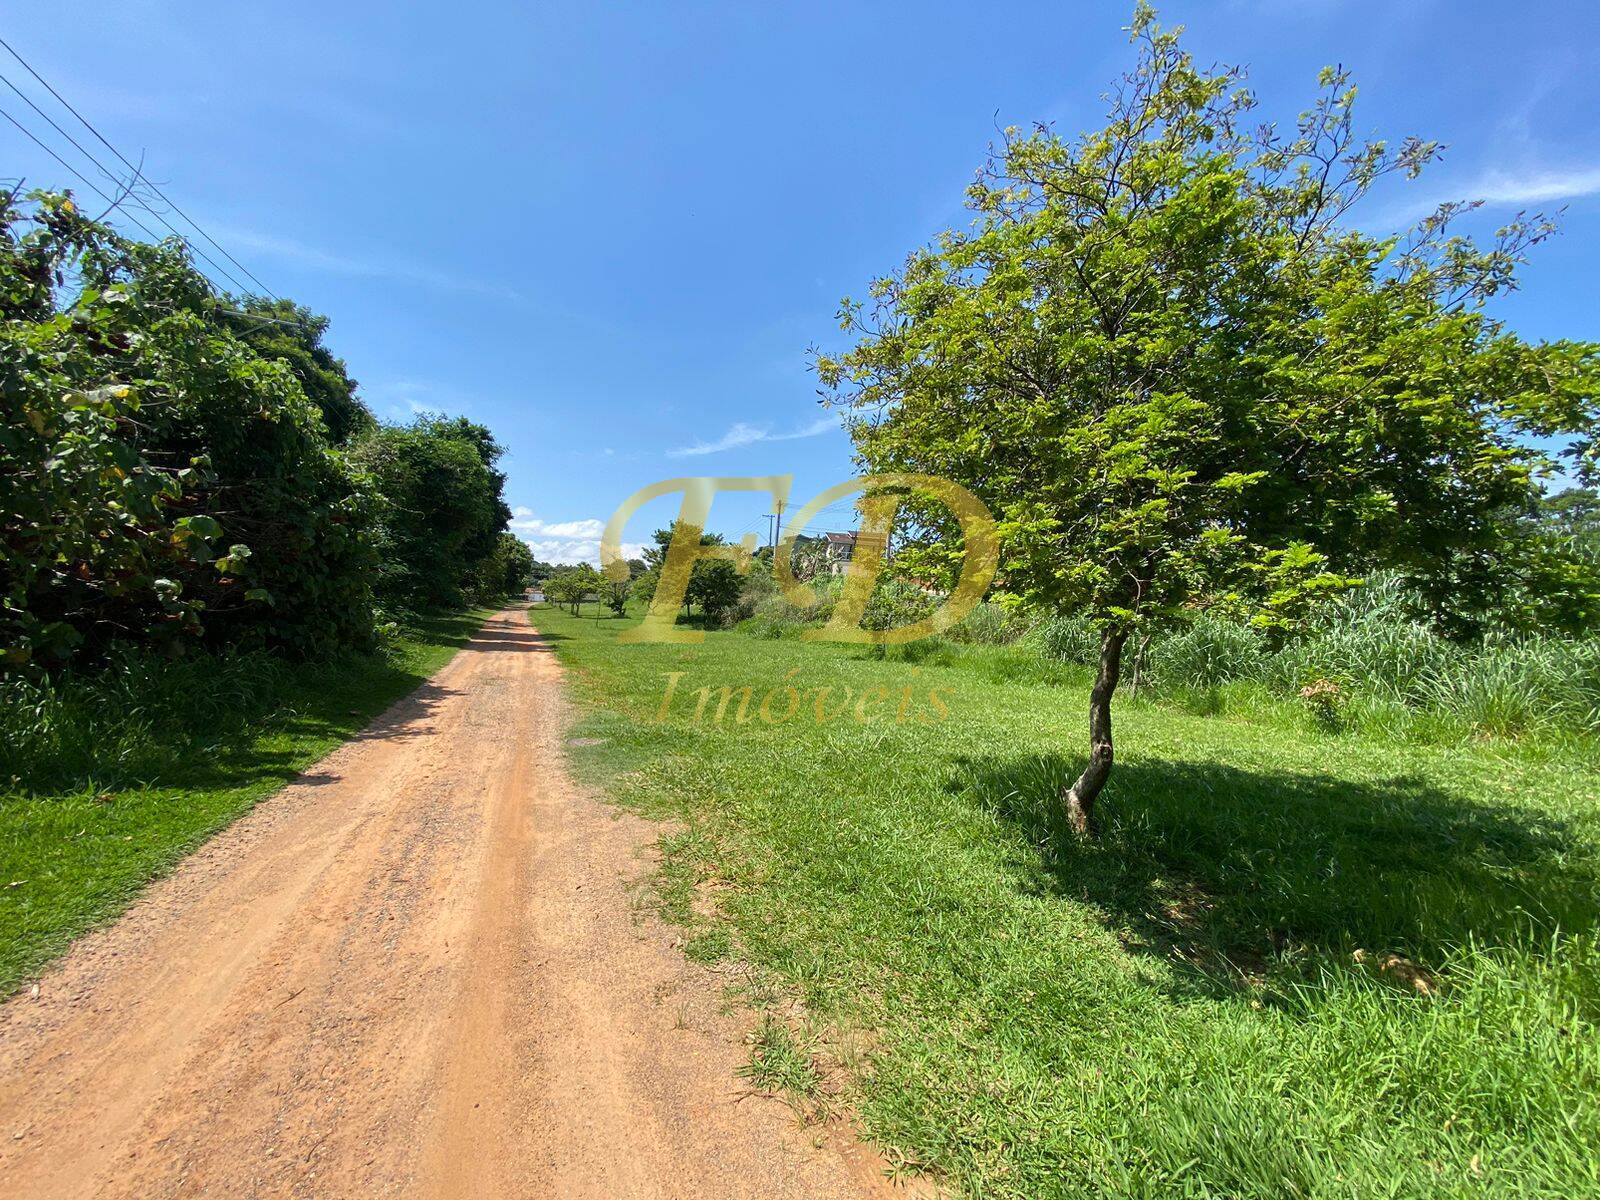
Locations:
(416, 971)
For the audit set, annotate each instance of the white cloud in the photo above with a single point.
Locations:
(564, 541)
(1501, 189)
(741, 434)
(1538, 187)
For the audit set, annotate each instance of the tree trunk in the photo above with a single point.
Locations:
(1080, 797)
(1138, 667)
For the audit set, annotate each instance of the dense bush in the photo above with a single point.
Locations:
(139, 716)
(1370, 649)
(506, 572)
(895, 603)
(988, 624)
(161, 481)
(179, 468)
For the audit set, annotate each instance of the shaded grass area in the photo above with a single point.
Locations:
(1296, 964)
(116, 798)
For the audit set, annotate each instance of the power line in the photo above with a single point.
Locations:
(128, 188)
(104, 142)
(81, 177)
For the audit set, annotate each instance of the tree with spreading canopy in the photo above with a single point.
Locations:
(572, 585)
(714, 583)
(508, 571)
(1178, 374)
(292, 334)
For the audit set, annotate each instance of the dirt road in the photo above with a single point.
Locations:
(420, 970)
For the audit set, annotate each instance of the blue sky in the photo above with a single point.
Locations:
(611, 231)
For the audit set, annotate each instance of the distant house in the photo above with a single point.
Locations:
(840, 548)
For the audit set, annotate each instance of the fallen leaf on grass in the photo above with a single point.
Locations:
(1403, 969)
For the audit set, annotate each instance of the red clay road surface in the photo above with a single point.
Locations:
(422, 969)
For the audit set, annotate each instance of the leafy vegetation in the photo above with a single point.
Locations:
(715, 584)
(181, 469)
(441, 512)
(161, 482)
(573, 585)
(1293, 962)
(214, 563)
(1177, 375)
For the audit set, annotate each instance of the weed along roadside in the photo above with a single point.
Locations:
(76, 853)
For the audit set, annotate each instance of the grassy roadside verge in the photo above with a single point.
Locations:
(72, 858)
(1295, 964)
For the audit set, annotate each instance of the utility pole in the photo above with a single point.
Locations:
(776, 527)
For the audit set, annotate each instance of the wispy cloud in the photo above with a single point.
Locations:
(741, 434)
(565, 541)
(401, 399)
(1502, 189)
(397, 269)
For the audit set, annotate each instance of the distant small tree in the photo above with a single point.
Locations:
(1173, 372)
(572, 585)
(713, 583)
(643, 586)
(615, 593)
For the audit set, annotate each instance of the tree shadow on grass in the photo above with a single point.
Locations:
(1233, 875)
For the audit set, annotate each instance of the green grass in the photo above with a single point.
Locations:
(1219, 998)
(113, 799)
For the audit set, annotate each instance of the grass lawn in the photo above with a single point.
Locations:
(74, 857)
(1295, 963)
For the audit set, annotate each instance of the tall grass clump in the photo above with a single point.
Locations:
(774, 616)
(989, 624)
(1512, 685)
(1367, 660)
(128, 720)
(1371, 640)
(1069, 639)
(1207, 652)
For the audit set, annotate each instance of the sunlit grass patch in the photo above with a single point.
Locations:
(1296, 963)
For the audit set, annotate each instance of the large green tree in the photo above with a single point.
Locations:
(1175, 371)
(714, 583)
(442, 507)
(508, 571)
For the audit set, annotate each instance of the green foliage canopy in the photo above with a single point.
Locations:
(1174, 372)
(159, 479)
(292, 334)
(442, 507)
